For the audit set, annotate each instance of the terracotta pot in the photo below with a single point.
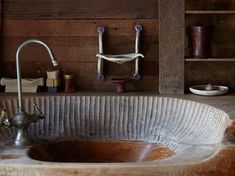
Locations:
(120, 84)
(201, 40)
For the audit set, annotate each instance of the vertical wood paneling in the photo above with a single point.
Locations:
(171, 47)
(1, 63)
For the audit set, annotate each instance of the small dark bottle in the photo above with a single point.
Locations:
(69, 83)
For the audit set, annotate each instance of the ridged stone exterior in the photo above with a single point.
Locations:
(168, 121)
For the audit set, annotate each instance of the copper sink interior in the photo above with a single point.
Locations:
(93, 151)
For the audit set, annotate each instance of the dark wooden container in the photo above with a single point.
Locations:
(201, 36)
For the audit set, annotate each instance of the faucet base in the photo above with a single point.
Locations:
(22, 138)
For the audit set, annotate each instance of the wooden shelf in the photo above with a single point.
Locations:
(210, 59)
(210, 12)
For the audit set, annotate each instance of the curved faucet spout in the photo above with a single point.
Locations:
(19, 84)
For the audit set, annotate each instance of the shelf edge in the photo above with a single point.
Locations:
(210, 12)
(210, 59)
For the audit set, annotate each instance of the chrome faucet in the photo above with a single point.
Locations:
(22, 119)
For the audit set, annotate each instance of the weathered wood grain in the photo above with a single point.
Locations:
(112, 69)
(77, 49)
(79, 9)
(70, 29)
(210, 4)
(1, 37)
(171, 47)
(77, 27)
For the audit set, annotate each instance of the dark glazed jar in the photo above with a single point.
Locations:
(69, 82)
(201, 36)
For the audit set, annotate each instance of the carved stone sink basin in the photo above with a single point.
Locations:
(93, 151)
(104, 135)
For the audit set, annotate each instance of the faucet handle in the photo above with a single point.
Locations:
(38, 111)
(4, 121)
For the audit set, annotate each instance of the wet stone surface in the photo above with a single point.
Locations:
(94, 151)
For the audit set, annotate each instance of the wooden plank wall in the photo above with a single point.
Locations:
(70, 28)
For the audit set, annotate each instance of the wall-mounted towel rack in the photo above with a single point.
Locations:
(119, 59)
